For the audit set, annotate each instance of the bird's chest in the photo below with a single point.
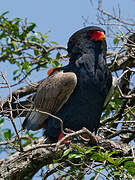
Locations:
(86, 95)
(86, 92)
(87, 84)
(84, 105)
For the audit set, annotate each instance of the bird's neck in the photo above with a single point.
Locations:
(96, 53)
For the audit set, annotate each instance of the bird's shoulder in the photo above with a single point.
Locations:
(59, 77)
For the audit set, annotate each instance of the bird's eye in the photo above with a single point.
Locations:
(90, 33)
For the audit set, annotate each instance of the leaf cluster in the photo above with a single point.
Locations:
(22, 46)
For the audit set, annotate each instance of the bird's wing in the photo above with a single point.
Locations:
(111, 91)
(51, 95)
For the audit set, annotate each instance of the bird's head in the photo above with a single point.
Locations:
(85, 39)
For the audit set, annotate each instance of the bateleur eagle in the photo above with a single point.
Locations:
(76, 92)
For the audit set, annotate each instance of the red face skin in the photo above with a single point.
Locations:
(97, 36)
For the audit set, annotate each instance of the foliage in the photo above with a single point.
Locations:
(108, 162)
(22, 46)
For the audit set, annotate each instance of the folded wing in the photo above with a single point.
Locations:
(111, 91)
(51, 95)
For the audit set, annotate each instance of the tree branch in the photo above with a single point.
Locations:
(25, 164)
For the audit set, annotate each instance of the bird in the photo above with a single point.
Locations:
(76, 92)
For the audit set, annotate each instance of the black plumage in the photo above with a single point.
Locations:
(80, 100)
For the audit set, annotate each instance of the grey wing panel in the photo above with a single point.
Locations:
(111, 91)
(51, 95)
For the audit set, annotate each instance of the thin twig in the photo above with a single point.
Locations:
(11, 114)
(114, 17)
(49, 114)
(82, 131)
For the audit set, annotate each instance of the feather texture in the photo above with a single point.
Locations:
(51, 95)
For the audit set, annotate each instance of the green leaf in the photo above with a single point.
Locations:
(97, 156)
(130, 166)
(58, 55)
(56, 63)
(112, 104)
(32, 135)
(42, 36)
(111, 160)
(18, 64)
(4, 13)
(75, 155)
(25, 65)
(16, 77)
(45, 36)
(66, 152)
(116, 173)
(7, 134)
(36, 52)
(31, 27)
(1, 122)
(116, 40)
(80, 149)
(118, 161)
(14, 45)
(133, 110)
(17, 19)
(71, 156)
(90, 150)
(53, 42)
(3, 35)
(23, 36)
(12, 62)
(26, 142)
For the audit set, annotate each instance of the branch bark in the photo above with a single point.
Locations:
(24, 165)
